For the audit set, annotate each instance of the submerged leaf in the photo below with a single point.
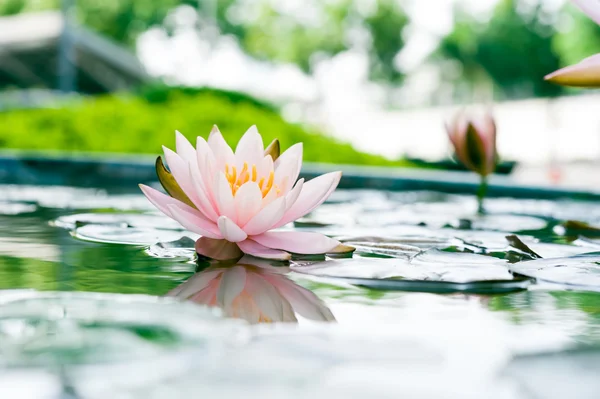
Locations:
(170, 184)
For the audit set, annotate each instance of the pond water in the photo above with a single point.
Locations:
(436, 302)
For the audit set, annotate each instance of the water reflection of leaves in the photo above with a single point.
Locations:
(253, 290)
(575, 313)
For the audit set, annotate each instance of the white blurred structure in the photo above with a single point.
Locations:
(32, 52)
(534, 132)
(340, 99)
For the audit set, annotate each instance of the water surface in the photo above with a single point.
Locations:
(430, 295)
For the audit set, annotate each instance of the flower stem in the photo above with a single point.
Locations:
(481, 191)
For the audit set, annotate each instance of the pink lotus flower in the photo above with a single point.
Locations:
(236, 200)
(253, 292)
(586, 73)
(474, 141)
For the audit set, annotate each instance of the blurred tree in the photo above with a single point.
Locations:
(459, 47)
(265, 29)
(513, 49)
(10, 7)
(282, 35)
(122, 20)
(386, 26)
(335, 26)
(579, 38)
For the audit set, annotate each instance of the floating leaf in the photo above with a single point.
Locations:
(409, 242)
(582, 272)
(432, 271)
(126, 235)
(342, 250)
(117, 219)
(385, 249)
(16, 208)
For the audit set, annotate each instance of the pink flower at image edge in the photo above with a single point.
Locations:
(237, 200)
(585, 73)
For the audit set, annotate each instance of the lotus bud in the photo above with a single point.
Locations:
(474, 141)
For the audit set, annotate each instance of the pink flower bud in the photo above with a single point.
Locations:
(474, 141)
(585, 73)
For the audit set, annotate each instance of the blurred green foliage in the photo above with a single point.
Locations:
(277, 35)
(142, 124)
(386, 25)
(262, 27)
(579, 39)
(121, 20)
(513, 50)
(159, 93)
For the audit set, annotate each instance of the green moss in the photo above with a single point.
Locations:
(142, 124)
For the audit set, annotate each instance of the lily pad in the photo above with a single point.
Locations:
(456, 215)
(117, 219)
(431, 271)
(551, 250)
(581, 272)
(61, 197)
(16, 208)
(385, 249)
(484, 242)
(127, 235)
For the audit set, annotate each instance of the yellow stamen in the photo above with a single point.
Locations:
(233, 175)
(264, 319)
(243, 174)
(266, 184)
(267, 188)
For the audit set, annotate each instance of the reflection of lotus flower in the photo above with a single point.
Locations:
(253, 293)
(233, 200)
(474, 141)
(587, 72)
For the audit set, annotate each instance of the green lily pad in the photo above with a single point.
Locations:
(429, 271)
(578, 272)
